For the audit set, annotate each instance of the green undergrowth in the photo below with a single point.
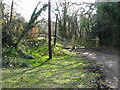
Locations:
(64, 70)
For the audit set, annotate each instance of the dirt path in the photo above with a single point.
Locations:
(108, 58)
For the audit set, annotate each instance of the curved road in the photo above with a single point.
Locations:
(108, 59)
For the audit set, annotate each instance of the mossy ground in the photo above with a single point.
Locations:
(64, 70)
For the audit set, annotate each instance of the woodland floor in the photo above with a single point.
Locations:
(108, 58)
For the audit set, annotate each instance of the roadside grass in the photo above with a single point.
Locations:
(64, 70)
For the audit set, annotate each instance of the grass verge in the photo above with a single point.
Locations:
(64, 70)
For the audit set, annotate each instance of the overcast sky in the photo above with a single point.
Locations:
(26, 7)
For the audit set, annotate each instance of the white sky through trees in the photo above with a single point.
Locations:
(26, 7)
